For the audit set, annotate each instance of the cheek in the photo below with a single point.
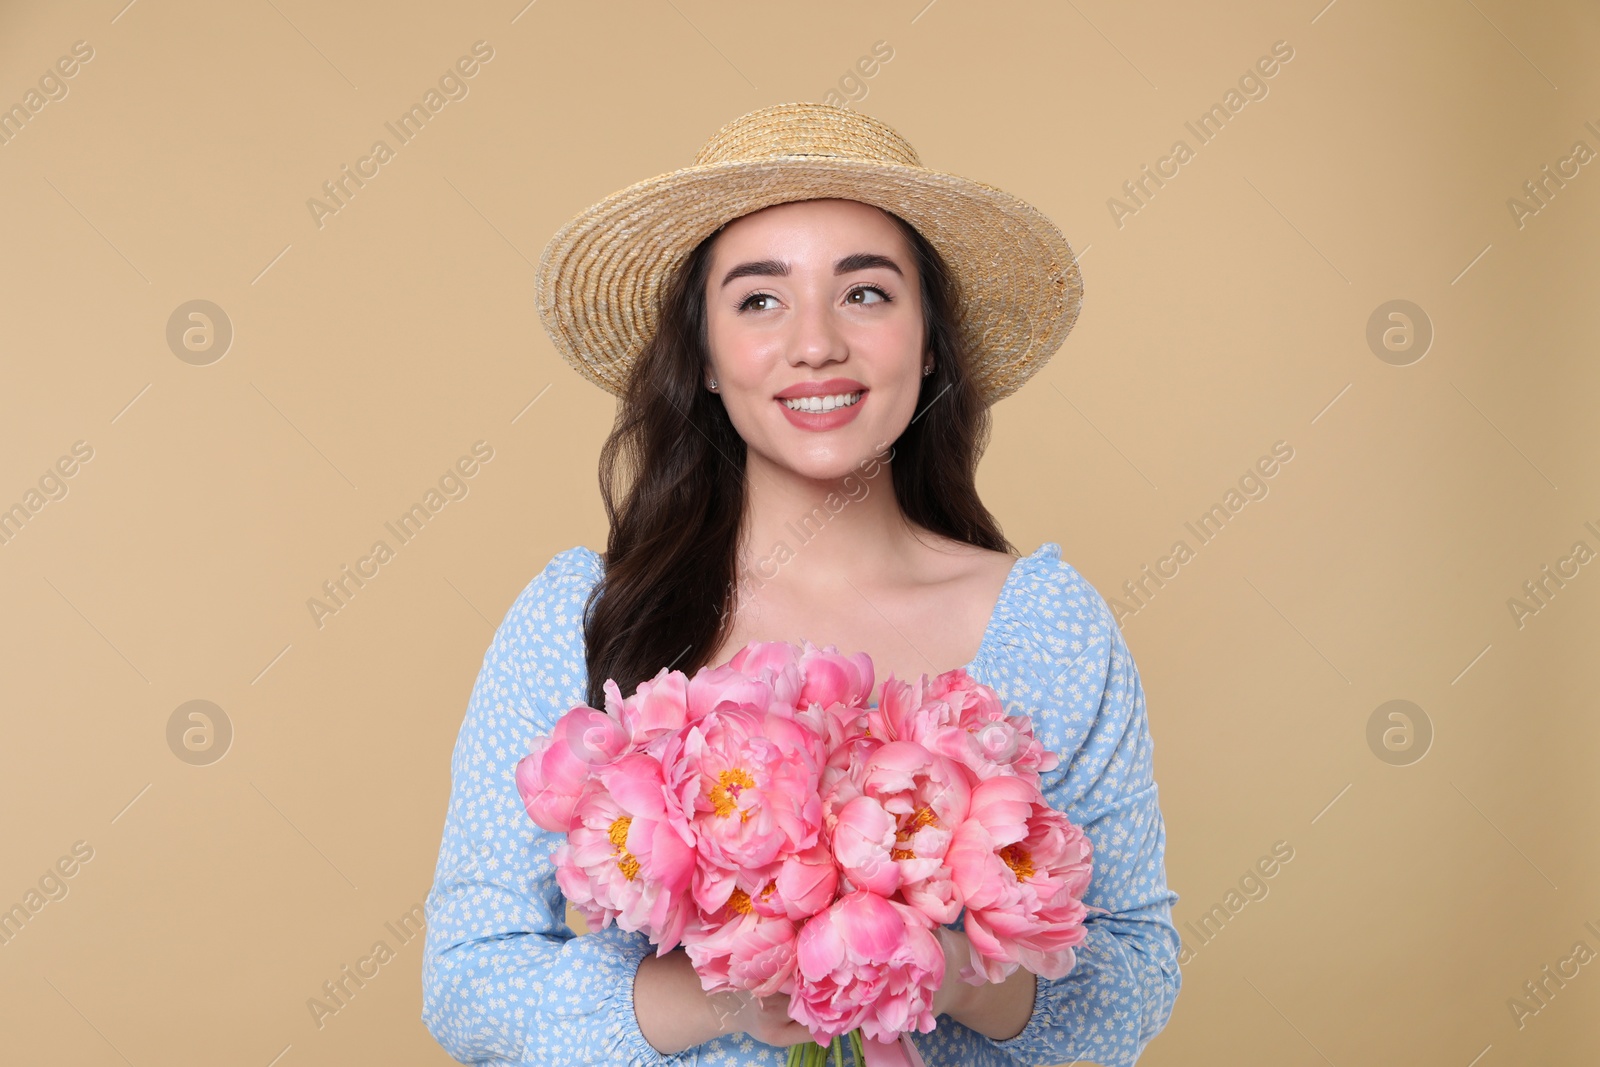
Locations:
(898, 403)
(752, 419)
(745, 414)
(739, 352)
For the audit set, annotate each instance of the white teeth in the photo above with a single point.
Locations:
(820, 403)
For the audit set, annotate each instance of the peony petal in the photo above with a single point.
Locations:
(870, 926)
(820, 949)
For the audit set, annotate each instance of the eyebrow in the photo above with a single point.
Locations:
(777, 268)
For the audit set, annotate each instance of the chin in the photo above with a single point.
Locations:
(831, 463)
(827, 467)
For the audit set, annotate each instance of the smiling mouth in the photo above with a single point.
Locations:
(821, 404)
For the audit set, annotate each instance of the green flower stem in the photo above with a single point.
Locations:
(811, 1054)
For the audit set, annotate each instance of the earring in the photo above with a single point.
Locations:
(713, 385)
(927, 370)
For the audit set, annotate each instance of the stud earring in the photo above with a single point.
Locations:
(927, 370)
(713, 385)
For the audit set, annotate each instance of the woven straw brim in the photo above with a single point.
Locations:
(1018, 283)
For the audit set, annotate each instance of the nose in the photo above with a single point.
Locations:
(816, 340)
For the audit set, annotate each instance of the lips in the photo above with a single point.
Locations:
(822, 387)
(822, 421)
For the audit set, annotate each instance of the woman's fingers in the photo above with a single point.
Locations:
(764, 1018)
(789, 1033)
(957, 954)
(772, 1024)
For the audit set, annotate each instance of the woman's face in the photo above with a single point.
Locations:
(815, 297)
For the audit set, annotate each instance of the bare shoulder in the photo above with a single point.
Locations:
(947, 561)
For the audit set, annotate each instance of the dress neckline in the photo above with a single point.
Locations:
(999, 616)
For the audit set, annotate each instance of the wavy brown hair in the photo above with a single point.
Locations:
(677, 466)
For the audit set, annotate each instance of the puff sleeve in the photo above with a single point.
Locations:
(1121, 991)
(505, 979)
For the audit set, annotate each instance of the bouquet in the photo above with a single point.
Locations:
(794, 839)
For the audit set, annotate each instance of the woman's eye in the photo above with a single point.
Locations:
(744, 305)
(883, 297)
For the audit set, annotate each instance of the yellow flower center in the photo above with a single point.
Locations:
(626, 863)
(740, 901)
(725, 794)
(1016, 857)
(922, 817)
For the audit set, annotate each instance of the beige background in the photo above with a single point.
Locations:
(1227, 314)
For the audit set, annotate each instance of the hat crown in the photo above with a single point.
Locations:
(807, 130)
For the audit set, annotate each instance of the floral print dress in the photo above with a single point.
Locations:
(506, 980)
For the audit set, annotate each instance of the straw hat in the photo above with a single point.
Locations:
(601, 275)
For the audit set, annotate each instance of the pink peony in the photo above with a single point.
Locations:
(714, 687)
(740, 948)
(1022, 869)
(553, 773)
(866, 962)
(804, 884)
(981, 735)
(928, 797)
(842, 774)
(832, 680)
(774, 665)
(747, 780)
(659, 706)
(892, 833)
(629, 855)
(907, 712)
(764, 658)
(968, 698)
(863, 843)
(820, 687)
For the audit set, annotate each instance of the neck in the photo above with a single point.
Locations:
(822, 533)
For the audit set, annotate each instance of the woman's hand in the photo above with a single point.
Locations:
(676, 1013)
(998, 1011)
(953, 994)
(764, 1018)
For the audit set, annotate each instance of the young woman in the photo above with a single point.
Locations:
(806, 329)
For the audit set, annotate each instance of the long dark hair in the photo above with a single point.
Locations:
(670, 563)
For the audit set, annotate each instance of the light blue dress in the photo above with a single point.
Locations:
(506, 981)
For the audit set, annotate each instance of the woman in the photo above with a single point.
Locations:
(806, 329)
